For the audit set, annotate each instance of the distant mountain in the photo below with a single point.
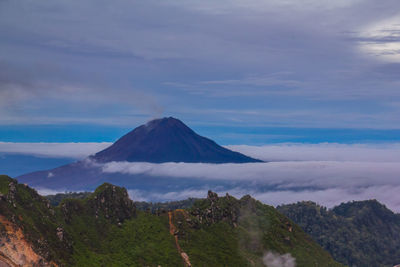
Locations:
(160, 140)
(105, 228)
(168, 140)
(359, 233)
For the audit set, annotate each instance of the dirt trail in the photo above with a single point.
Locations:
(172, 231)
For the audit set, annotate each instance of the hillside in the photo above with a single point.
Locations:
(106, 229)
(359, 233)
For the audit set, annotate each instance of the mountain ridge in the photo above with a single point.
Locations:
(357, 233)
(347, 231)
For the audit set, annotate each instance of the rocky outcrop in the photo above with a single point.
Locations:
(108, 201)
(216, 209)
(112, 202)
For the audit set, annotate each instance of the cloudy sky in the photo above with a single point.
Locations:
(233, 64)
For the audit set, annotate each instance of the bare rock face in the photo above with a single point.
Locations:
(112, 202)
(27, 231)
(11, 193)
(212, 196)
(60, 233)
(15, 250)
(5, 262)
(218, 209)
(108, 201)
(215, 209)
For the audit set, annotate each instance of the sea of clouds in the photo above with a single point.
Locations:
(328, 174)
(325, 173)
(326, 182)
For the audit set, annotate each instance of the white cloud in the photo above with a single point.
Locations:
(323, 152)
(46, 191)
(328, 174)
(276, 152)
(343, 173)
(328, 183)
(57, 150)
(290, 174)
(382, 39)
(272, 259)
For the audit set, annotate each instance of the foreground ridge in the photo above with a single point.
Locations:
(106, 228)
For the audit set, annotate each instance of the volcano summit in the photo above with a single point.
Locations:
(168, 140)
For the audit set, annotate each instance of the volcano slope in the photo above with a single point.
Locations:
(106, 229)
(158, 141)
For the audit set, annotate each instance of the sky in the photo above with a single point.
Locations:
(235, 66)
(289, 81)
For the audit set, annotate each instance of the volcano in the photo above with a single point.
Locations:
(168, 140)
(158, 141)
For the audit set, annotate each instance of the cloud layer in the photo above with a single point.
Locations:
(325, 173)
(56, 150)
(289, 174)
(389, 152)
(328, 183)
(349, 172)
(323, 152)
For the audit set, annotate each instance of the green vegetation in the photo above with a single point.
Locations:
(239, 232)
(106, 229)
(143, 241)
(56, 199)
(359, 233)
(155, 207)
(103, 229)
